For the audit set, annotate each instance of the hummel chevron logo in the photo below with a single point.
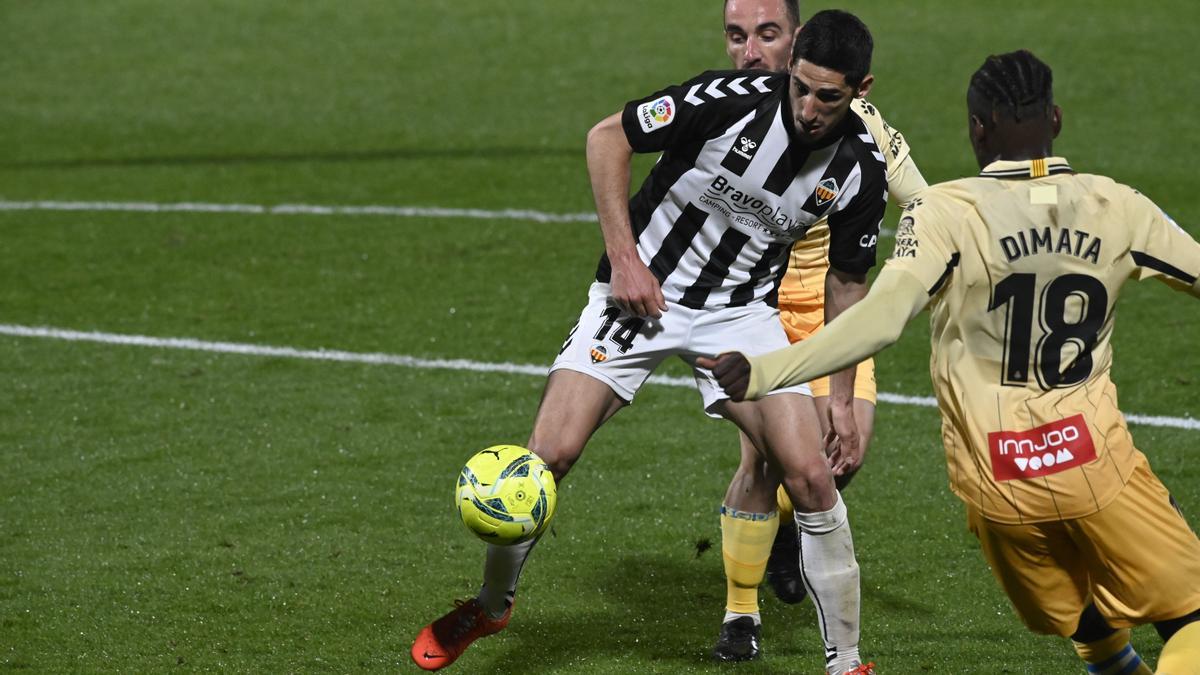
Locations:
(870, 140)
(714, 91)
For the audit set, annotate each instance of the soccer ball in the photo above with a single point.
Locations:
(506, 495)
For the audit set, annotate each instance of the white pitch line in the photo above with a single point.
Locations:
(304, 210)
(313, 210)
(377, 358)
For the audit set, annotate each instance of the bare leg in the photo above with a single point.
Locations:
(785, 427)
(753, 485)
(573, 406)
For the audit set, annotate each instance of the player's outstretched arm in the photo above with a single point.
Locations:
(866, 328)
(905, 182)
(634, 288)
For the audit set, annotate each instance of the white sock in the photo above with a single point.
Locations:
(831, 576)
(500, 575)
(730, 616)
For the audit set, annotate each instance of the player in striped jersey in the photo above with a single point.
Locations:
(750, 161)
(759, 35)
(1021, 268)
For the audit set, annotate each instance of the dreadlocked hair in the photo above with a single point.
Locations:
(1016, 83)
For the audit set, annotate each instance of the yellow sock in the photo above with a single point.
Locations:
(1181, 654)
(786, 510)
(746, 540)
(1112, 656)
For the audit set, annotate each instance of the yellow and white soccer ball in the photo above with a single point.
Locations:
(506, 495)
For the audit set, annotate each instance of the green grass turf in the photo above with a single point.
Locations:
(165, 510)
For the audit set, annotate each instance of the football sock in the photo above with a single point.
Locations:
(1112, 655)
(1181, 654)
(786, 510)
(831, 576)
(746, 540)
(731, 616)
(500, 574)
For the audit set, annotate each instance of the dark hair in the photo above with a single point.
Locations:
(1016, 84)
(792, 7)
(836, 40)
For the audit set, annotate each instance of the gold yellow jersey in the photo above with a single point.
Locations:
(804, 282)
(1023, 265)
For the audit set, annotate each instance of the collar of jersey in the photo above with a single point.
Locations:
(1026, 168)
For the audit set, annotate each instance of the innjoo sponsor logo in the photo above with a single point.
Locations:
(1041, 451)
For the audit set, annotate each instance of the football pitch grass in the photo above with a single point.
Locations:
(177, 509)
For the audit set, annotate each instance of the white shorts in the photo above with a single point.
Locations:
(622, 350)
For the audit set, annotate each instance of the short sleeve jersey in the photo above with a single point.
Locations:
(1023, 265)
(804, 282)
(715, 219)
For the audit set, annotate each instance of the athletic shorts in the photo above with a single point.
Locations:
(1136, 558)
(622, 350)
(800, 322)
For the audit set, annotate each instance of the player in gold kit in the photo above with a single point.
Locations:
(1021, 267)
(759, 35)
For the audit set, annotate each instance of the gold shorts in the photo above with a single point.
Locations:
(1136, 558)
(800, 322)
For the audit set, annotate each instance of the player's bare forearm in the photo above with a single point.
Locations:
(842, 291)
(634, 288)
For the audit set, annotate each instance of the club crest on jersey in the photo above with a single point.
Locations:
(656, 114)
(1041, 451)
(599, 354)
(827, 190)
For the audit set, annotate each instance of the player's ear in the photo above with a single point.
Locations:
(1056, 115)
(864, 87)
(977, 129)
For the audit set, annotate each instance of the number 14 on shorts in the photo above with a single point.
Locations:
(626, 330)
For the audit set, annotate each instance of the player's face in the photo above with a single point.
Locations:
(758, 34)
(820, 99)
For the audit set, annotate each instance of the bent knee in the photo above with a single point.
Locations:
(811, 487)
(559, 457)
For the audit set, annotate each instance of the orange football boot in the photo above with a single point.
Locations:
(440, 643)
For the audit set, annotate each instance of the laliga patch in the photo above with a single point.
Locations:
(599, 354)
(656, 114)
(827, 190)
(1041, 451)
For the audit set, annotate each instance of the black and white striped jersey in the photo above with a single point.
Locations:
(732, 191)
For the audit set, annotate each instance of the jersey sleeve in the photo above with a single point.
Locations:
(925, 246)
(854, 229)
(870, 325)
(697, 110)
(1162, 249)
(905, 182)
(889, 139)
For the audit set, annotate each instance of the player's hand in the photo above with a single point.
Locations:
(843, 445)
(732, 371)
(636, 290)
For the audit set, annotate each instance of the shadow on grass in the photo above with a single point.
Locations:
(650, 613)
